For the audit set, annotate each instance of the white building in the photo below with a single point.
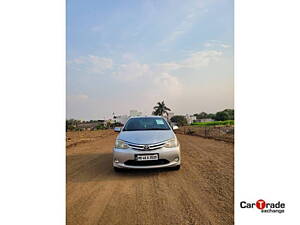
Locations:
(190, 119)
(134, 112)
(121, 119)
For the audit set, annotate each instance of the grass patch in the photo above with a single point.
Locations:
(213, 123)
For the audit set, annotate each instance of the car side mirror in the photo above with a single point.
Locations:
(117, 129)
(175, 127)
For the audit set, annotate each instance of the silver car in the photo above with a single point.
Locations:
(146, 142)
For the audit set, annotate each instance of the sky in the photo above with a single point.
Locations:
(124, 55)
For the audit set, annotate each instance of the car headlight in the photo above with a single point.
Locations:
(121, 144)
(171, 143)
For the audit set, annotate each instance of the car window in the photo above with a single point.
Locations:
(134, 124)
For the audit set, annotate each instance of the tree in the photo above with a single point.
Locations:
(71, 124)
(180, 120)
(202, 115)
(211, 116)
(160, 109)
(230, 113)
(205, 115)
(227, 114)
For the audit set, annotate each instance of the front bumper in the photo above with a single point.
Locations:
(125, 158)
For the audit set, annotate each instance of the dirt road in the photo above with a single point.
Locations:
(201, 192)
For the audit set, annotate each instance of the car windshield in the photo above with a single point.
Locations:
(135, 124)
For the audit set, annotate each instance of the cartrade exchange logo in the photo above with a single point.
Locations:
(264, 207)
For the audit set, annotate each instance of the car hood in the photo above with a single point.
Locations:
(146, 136)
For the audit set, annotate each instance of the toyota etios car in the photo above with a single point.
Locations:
(146, 142)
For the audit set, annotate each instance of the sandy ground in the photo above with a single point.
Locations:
(201, 192)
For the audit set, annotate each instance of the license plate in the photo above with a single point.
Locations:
(146, 157)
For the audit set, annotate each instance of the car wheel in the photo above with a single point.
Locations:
(117, 169)
(175, 167)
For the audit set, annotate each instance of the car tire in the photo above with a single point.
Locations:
(176, 167)
(117, 169)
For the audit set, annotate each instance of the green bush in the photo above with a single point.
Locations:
(213, 123)
(99, 127)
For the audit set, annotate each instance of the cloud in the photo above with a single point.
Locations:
(201, 59)
(132, 71)
(169, 66)
(189, 19)
(129, 57)
(144, 83)
(148, 78)
(91, 64)
(225, 46)
(139, 86)
(168, 84)
(215, 44)
(180, 29)
(195, 60)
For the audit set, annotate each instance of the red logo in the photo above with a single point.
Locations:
(260, 204)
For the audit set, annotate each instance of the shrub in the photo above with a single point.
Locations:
(214, 123)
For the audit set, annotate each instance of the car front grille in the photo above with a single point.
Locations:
(146, 163)
(142, 147)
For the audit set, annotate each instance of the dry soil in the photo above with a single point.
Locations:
(201, 192)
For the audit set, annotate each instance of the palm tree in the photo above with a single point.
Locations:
(160, 109)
